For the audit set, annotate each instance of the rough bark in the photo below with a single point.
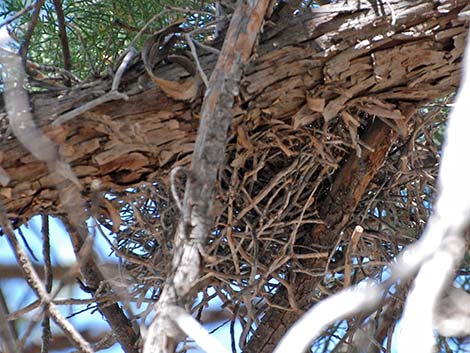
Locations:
(124, 143)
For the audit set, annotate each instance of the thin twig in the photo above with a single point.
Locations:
(123, 25)
(196, 331)
(8, 341)
(207, 48)
(71, 301)
(120, 71)
(203, 75)
(46, 250)
(174, 191)
(110, 96)
(63, 35)
(31, 26)
(84, 46)
(189, 11)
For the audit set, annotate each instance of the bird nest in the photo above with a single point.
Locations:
(267, 204)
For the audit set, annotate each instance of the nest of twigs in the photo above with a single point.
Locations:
(267, 201)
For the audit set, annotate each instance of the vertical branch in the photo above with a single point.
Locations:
(46, 251)
(209, 155)
(63, 35)
(32, 24)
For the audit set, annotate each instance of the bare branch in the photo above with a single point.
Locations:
(63, 35)
(336, 307)
(31, 26)
(110, 96)
(46, 250)
(208, 157)
(114, 94)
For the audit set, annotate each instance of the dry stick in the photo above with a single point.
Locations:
(71, 301)
(32, 24)
(63, 35)
(358, 230)
(46, 251)
(209, 155)
(36, 285)
(203, 75)
(114, 94)
(110, 96)
(207, 48)
(120, 71)
(83, 43)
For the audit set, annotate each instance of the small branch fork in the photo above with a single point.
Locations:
(192, 231)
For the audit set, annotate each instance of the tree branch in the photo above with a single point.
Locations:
(209, 154)
(63, 35)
